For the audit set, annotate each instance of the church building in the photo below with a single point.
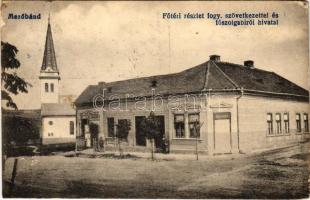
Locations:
(54, 122)
(58, 119)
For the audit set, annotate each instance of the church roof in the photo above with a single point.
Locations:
(211, 75)
(55, 109)
(49, 57)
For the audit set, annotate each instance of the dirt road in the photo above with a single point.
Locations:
(281, 173)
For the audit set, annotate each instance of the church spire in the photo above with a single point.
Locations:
(49, 57)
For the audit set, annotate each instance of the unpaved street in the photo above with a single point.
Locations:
(281, 173)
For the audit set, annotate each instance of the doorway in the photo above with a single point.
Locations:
(140, 135)
(222, 132)
(83, 123)
(94, 131)
(159, 142)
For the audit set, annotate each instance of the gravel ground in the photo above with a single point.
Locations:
(281, 173)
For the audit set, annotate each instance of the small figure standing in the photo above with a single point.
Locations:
(165, 145)
(101, 144)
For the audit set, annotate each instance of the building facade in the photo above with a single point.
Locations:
(217, 107)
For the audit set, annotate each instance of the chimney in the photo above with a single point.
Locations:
(249, 64)
(103, 88)
(215, 58)
(102, 84)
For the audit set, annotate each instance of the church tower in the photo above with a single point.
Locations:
(49, 74)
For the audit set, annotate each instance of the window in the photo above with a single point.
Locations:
(306, 122)
(111, 127)
(52, 87)
(269, 123)
(298, 122)
(50, 134)
(71, 127)
(278, 122)
(50, 123)
(193, 124)
(286, 119)
(179, 126)
(46, 87)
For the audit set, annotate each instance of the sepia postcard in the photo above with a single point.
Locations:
(155, 99)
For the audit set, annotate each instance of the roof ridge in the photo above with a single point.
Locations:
(207, 76)
(225, 75)
(221, 77)
(244, 67)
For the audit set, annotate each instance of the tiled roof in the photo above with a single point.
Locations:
(191, 80)
(209, 75)
(54, 109)
(216, 79)
(260, 80)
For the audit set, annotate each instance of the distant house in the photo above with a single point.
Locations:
(239, 108)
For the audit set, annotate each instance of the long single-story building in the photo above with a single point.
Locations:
(239, 108)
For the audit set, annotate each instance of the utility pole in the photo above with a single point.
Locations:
(197, 125)
(196, 140)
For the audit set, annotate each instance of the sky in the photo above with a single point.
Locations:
(110, 41)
